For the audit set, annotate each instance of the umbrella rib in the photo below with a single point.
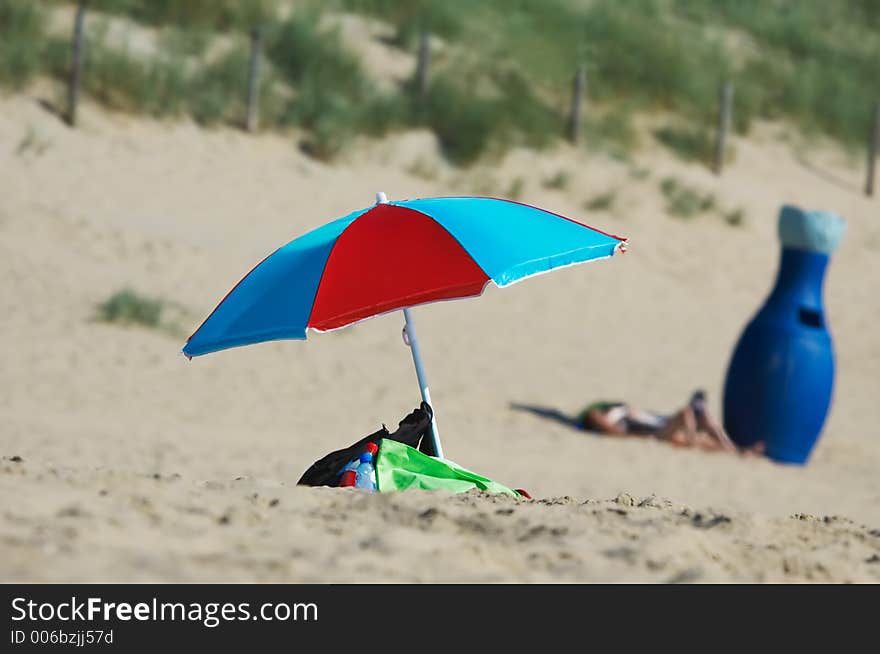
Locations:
(451, 235)
(530, 206)
(622, 240)
(327, 261)
(231, 290)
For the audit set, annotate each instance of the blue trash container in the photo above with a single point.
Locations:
(781, 375)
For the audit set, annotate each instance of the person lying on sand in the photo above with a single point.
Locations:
(691, 426)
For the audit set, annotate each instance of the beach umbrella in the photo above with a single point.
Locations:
(396, 255)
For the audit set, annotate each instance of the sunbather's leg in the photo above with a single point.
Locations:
(681, 429)
(706, 441)
(753, 450)
(707, 424)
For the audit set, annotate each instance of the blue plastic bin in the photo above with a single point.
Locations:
(781, 375)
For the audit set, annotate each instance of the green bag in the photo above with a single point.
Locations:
(399, 467)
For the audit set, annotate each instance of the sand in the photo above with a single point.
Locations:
(123, 461)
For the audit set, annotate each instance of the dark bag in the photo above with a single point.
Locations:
(414, 430)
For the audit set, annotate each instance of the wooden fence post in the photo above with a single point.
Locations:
(76, 63)
(873, 151)
(423, 63)
(725, 111)
(253, 90)
(578, 91)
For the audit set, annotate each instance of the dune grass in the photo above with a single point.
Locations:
(507, 113)
(683, 201)
(503, 75)
(333, 98)
(817, 61)
(602, 202)
(689, 143)
(190, 14)
(806, 60)
(516, 188)
(735, 217)
(122, 80)
(22, 23)
(558, 181)
(127, 307)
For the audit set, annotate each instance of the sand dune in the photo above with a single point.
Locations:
(138, 465)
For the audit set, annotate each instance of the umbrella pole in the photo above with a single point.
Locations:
(409, 337)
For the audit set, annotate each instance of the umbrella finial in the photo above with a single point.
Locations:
(381, 198)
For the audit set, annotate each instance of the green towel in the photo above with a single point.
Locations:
(399, 467)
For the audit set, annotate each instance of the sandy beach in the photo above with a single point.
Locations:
(123, 461)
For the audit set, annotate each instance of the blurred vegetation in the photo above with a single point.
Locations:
(602, 202)
(22, 23)
(500, 76)
(735, 217)
(558, 180)
(689, 143)
(685, 202)
(516, 188)
(190, 14)
(811, 61)
(506, 112)
(128, 307)
(333, 97)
